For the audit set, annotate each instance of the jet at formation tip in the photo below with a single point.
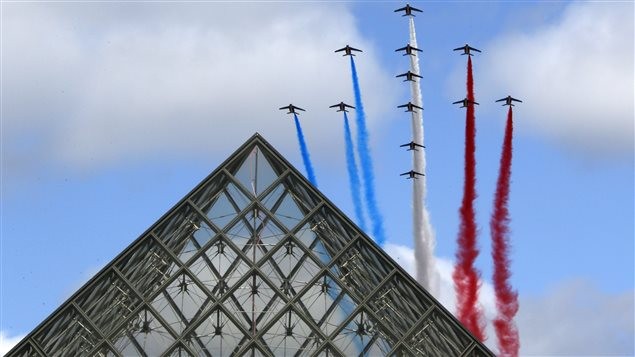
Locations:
(408, 10)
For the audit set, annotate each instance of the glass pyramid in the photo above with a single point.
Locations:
(253, 262)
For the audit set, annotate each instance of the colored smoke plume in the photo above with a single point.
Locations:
(424, 240)
(305, 152)
(353, 175)
(363, 150)
(465, 276)
(506, 298)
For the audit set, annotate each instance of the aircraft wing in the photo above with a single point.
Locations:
(518, 100)
(402, 106)
(458, 101)
(298, 108)
(404, 145)
(401, 49)
(341, 49)
(416, 106)
(349, 106)
(402, 9)
(459, 48)
(287, 107)
(355, 49)
(474, 49)
(501, 100)
(334, 106)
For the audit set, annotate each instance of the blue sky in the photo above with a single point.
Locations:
(112, 112)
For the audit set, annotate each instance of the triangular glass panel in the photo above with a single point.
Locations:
(66, 333)
(255, 173)
(221, 210)
(180, 351)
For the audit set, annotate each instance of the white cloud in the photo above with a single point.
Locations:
(99, 84)
(7, 343)
(575, 77)
(574, 318)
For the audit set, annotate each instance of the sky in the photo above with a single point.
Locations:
(112, 111)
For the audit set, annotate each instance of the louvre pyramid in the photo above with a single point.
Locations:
(256, 262)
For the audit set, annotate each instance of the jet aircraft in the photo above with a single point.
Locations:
(464, 102)
(292, 109)
(410, 107)
(348, 50)
(411, 174)
(409, 76)
(342, 106)
(508, 100)
(411, 146)
(408, 10)
(466, 49)
(408, 50)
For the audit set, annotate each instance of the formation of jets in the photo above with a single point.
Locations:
(466, 49)
(464, 102)
(410, 107)
(408, 50)
(292, 109)
(411, 146)
(508, 100)
(412, 174)
(342, 107)
(409, 76)
(348, 50)
(408, 10)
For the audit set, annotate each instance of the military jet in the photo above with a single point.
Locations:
(348, 50)
(508, 100)
(410, 107)
(342, 106)
(409, 76)
(466, 49)
(292, 109)
(464, 102)
(408, 50)
(411, 174)
(411, 146)
(408, 10)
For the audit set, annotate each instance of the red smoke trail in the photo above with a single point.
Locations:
(465, 276)
(506, 298)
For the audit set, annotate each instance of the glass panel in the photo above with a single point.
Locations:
(255, 301)
(145, 335)
(180, 352)
(221, 211)
(181, 303)
(326, 303)
(290, 336)
(361, 336)
(219, 268)
(216, 335)
(287, 212)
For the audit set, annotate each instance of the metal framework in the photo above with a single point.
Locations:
(253, 262)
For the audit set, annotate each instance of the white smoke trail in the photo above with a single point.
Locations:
(424, 240)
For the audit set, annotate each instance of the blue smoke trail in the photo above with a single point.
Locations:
(305, 152)
(353, 175)
(366, 162)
